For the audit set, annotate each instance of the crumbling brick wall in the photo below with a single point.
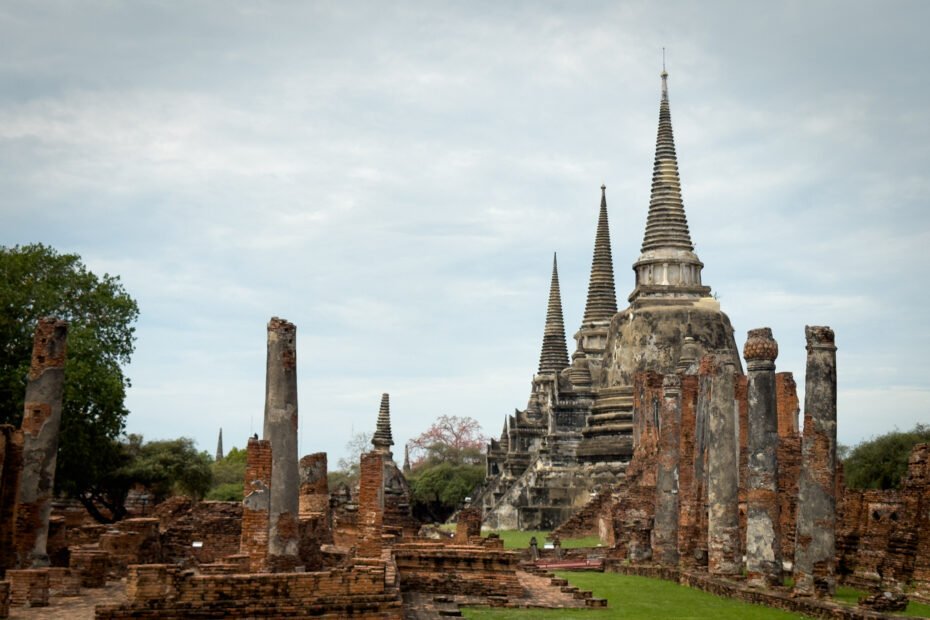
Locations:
(217, 526)
(882, 535)
(132, 541)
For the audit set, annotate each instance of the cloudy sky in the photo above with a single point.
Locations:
(394, 177)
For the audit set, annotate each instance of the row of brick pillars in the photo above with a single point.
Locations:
(699, 458)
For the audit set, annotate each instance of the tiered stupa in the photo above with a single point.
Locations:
(576, 434)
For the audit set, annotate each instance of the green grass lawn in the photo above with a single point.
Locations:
(639, 597)
(515, 539)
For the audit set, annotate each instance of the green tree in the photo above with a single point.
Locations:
(36, 281)
(170, 467)
(881, 462)
(447, 466)
(228, 476)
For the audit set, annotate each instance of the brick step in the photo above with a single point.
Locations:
(581, 595)
(595, 602)
(558, 581)
(569, 589)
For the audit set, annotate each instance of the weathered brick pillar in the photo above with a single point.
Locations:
(763, 537)
(718, 393)
(789, 458)
(41, 423)
(11, 465)
(256, 499)
(370, 505)
(281, 431)
(816, 536)
(665, 530)
(468, 525)
(690, 478)
(314, 486)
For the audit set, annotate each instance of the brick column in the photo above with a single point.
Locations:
(281, 430)
(11, 465)
(41, 423)
(690, 478)
(468, 525)
(314, 487)
(718, 393)
(763, 537)
(665, 530)
(256, 498)
(370, 505)
(816, 536)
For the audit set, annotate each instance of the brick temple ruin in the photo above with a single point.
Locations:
(652, 437)
(289, 549)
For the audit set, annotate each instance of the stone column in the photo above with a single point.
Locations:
(816, 537)
(665, 530)
(41, 423)
(281, 430)
(763, 535)
(718, 392)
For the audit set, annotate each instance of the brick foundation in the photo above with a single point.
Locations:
(455, 569)
(162, 591)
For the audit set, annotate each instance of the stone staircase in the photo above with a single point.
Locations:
(608, 435)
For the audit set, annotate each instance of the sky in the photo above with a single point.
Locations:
(394, 178)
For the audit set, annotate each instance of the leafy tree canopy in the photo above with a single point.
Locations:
(228, 476)
(449, 439)
(169, 467)
(881, 462)
(35, 282)
(447, 466)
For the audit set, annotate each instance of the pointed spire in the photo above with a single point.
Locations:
(554, 355)
(219, 446)
(382, 439)
(667, 265)
(602, 299)
(666, 226)
(406, 458)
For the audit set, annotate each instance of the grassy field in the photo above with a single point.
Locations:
(639, 597)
